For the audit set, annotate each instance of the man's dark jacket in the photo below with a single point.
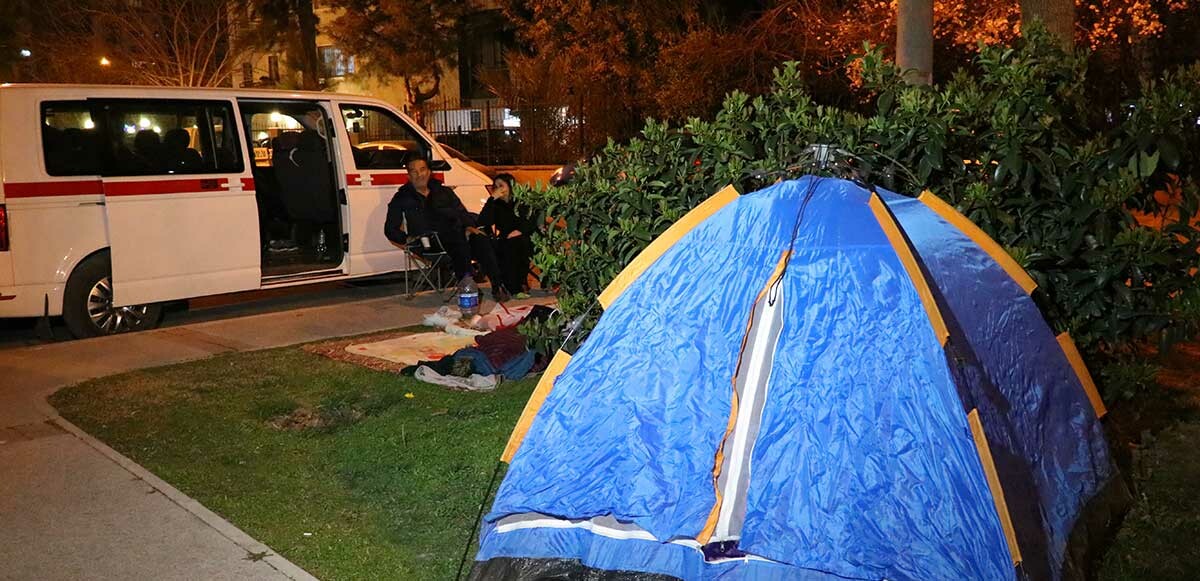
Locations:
(441, 212)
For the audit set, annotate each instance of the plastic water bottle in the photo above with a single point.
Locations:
(468, 297)
(321, 247)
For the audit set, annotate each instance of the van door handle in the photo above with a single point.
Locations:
(100, 203)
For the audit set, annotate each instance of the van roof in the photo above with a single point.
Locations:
(143, 91)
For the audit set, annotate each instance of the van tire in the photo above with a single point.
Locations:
(92, 279)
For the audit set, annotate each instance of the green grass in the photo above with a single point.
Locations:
(388, 486)
(1159, 539)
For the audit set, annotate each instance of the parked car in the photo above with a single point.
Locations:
(463, 170)
(563, 175)
(499, 146)
(456, 154)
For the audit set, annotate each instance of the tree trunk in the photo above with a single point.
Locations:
(416, 96)
(309, 67)
(1057, 15)
(914, 40)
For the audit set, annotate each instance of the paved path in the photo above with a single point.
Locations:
(73, 508)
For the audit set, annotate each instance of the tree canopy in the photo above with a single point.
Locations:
(414, 40)
(291, 24)
(678, 59)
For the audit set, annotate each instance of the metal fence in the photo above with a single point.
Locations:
(497, 133)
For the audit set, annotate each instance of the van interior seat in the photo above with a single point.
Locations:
(305, 181)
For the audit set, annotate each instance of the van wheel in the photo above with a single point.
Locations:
(87, 303)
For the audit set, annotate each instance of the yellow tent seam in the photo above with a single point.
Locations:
(664, 242)
(993, 481)
(900, 245)
(980, 238)
(545, 384)
(1081, 371)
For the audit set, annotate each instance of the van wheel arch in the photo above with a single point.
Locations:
(87, 302)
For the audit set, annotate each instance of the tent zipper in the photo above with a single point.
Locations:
(752, 378)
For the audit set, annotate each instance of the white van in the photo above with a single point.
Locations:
(114, 200)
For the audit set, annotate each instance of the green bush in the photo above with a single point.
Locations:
(1015, 144)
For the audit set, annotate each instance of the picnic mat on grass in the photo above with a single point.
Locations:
(412, 349)
(391, 351)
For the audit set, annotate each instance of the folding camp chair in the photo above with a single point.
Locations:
(430, 261)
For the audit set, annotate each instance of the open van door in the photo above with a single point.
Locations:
(182, 218)
(376, 143)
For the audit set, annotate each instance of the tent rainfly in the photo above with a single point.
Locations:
(817, 381)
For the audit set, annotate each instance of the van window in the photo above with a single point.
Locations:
(380, 139)
(281, 123)
(69, 139)
(170, 137)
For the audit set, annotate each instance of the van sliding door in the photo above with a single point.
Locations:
(180, 221)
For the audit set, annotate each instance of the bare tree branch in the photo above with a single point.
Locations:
(156, 42)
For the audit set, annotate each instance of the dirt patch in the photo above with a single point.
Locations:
(301, 419)
(308, 419)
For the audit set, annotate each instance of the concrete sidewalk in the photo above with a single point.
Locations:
(73, 508)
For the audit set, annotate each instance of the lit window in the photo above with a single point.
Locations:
(335, 63)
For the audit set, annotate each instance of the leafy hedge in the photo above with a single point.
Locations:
(1014, 144)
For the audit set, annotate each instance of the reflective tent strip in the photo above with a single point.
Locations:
(1081, 371)
(978, 236)
(993, 480)
(553, 370)
(720, 462)
(604, 525)
(660, 245)
(608, 527)
(905, 253)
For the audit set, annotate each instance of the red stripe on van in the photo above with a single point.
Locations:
(47, 189)
(398, 179)
(353, 179)
(165, 187)
(248, 184)
(389, 179)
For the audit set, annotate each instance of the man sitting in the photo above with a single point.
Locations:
(424, 206)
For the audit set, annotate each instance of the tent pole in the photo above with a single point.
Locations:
(478, 519)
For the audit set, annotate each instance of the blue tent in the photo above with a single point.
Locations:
(814, 381)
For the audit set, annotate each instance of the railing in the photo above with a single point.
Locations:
(497, 133)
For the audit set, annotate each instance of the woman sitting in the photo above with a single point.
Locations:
(509, 230)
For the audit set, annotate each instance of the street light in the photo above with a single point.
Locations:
(104, 62)
(26, 53)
